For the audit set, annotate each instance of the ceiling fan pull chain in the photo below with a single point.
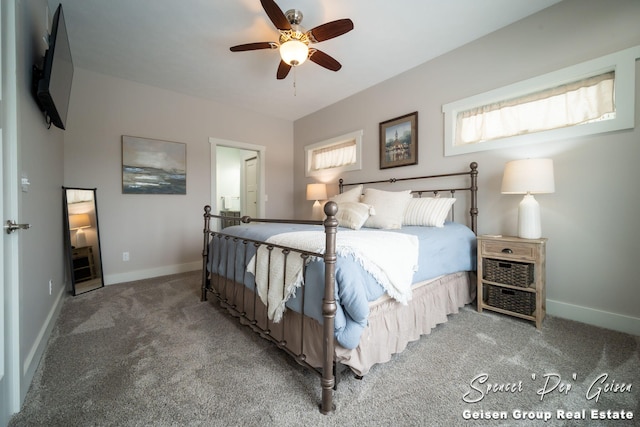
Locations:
(295, 89)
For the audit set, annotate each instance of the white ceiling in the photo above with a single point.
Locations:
(184, 45)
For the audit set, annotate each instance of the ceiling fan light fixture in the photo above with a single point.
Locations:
(294, 52)
(294, 40)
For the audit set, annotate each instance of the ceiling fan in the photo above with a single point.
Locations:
(294, 40)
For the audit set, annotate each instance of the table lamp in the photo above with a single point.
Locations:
(78, 222)
(317, 192)
(528, 177)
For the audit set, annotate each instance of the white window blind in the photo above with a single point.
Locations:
(571, 104)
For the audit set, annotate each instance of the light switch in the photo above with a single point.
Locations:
(24, 183)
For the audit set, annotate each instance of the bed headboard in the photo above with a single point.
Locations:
(472, 174)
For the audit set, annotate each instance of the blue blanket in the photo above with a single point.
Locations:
(445, 250)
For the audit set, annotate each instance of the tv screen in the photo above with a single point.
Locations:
(52, 84)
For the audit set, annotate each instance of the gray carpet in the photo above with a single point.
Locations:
(149, 353)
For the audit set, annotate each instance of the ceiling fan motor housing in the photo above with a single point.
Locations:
(294, 16)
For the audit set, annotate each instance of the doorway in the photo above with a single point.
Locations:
(237, 178)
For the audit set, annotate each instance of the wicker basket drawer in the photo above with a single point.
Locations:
(510, 299)
(507, 272)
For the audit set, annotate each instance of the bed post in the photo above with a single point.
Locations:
(329, 308)
(474, 197)
(205, 251)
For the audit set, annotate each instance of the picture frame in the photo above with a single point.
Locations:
(399, 141)
(152, 166)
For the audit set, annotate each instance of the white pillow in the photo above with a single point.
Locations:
(352, 195)
(353, 215)
(389, 207)
(428, 211)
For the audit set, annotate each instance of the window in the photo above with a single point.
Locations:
(339, 154)
(592, 97)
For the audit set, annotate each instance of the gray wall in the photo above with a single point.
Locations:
(162, 233)
(589, 220)
(40, 159)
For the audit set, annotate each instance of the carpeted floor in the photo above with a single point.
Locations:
(149, 353)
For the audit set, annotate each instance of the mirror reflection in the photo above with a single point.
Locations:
(84, 259)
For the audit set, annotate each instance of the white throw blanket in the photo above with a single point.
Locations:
(391, 258)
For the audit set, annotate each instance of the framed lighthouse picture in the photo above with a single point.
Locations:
(399, 141)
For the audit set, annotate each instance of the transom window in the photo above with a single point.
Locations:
(342, 153)
(592, 97)
(583, 101)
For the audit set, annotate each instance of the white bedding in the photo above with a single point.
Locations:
(391, 258)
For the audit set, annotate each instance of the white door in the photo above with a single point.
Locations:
(9, 371)
(251, 187)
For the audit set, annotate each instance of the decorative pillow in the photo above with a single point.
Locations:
(428, 211)
(352, 195)
(353, 215)
(389, 207)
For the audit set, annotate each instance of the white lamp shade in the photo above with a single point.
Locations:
(294, 52)
(79, 221)
(316, 191)
(533, 176)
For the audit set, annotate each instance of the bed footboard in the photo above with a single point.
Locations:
(243, 303)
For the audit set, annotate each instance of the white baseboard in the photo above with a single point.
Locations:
(111, 279)
(32, 360)
(591, 316)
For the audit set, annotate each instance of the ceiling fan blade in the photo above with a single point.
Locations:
(330, 30)
(254, 46)
(275, 14)
(283, 70)
(324, 60)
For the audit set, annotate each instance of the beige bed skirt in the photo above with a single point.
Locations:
(390, 328)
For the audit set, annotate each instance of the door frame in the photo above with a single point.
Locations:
(261, 152)
(9, 250)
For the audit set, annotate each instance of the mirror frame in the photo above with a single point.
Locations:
(94, 258)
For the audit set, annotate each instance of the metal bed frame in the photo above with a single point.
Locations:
(251, 311)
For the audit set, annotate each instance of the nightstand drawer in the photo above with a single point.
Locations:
(515, 250)
(513, 273)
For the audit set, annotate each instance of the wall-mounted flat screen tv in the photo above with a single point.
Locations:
(52, 83)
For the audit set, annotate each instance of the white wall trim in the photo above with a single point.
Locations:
(129, 276)
(591, 316)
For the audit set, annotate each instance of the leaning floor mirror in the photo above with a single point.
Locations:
(82, 240)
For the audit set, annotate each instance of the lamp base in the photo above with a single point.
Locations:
(529, 218)
(318, 213)
(81, 240)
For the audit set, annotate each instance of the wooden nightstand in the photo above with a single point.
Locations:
(83, 268)
(511, 276)
(228, 222)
